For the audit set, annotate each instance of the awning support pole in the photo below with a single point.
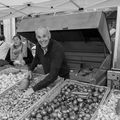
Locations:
(76, 5)
(116, 57)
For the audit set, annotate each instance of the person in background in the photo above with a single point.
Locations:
(19, 53)
(4, 47)
(112, 28)
(49, 53)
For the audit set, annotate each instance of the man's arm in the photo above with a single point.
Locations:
(8, 58)
(34, 62)
(29, 57)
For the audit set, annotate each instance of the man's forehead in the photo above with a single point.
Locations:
(41, 31)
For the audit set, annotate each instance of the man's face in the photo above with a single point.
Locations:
(42, 37)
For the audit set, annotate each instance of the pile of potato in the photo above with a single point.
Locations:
(8, 80)
(107, 111)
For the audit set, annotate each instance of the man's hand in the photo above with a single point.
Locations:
(28, 92)
(29, 75)
(24, 84)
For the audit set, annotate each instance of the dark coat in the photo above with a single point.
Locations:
(53, 62)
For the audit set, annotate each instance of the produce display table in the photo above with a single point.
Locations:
(72, 100)
(68, 100)
(108, 111)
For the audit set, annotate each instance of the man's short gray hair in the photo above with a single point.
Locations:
(43, 28)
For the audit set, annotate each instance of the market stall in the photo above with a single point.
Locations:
(87, 45)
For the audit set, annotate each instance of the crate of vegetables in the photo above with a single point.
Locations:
(110, 110)
(10, 76)
(72, 100)
(13, 104)
(9, 80)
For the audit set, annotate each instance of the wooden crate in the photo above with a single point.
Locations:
(80, 78)
(59, 82)
(98, 77)
(54, 92)
(32, 83)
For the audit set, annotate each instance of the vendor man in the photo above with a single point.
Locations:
(50, 54)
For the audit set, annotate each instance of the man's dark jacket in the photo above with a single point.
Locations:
(53, 62)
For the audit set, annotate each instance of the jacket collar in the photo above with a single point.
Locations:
(50, 44)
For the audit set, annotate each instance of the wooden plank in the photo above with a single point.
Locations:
(103, 81)
(116, 57)
(84, 59)
(85, 54)
(100, 75)
(106, 64)
(80, 46)
(59, 22)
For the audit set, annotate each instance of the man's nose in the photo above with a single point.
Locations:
(42, 40)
